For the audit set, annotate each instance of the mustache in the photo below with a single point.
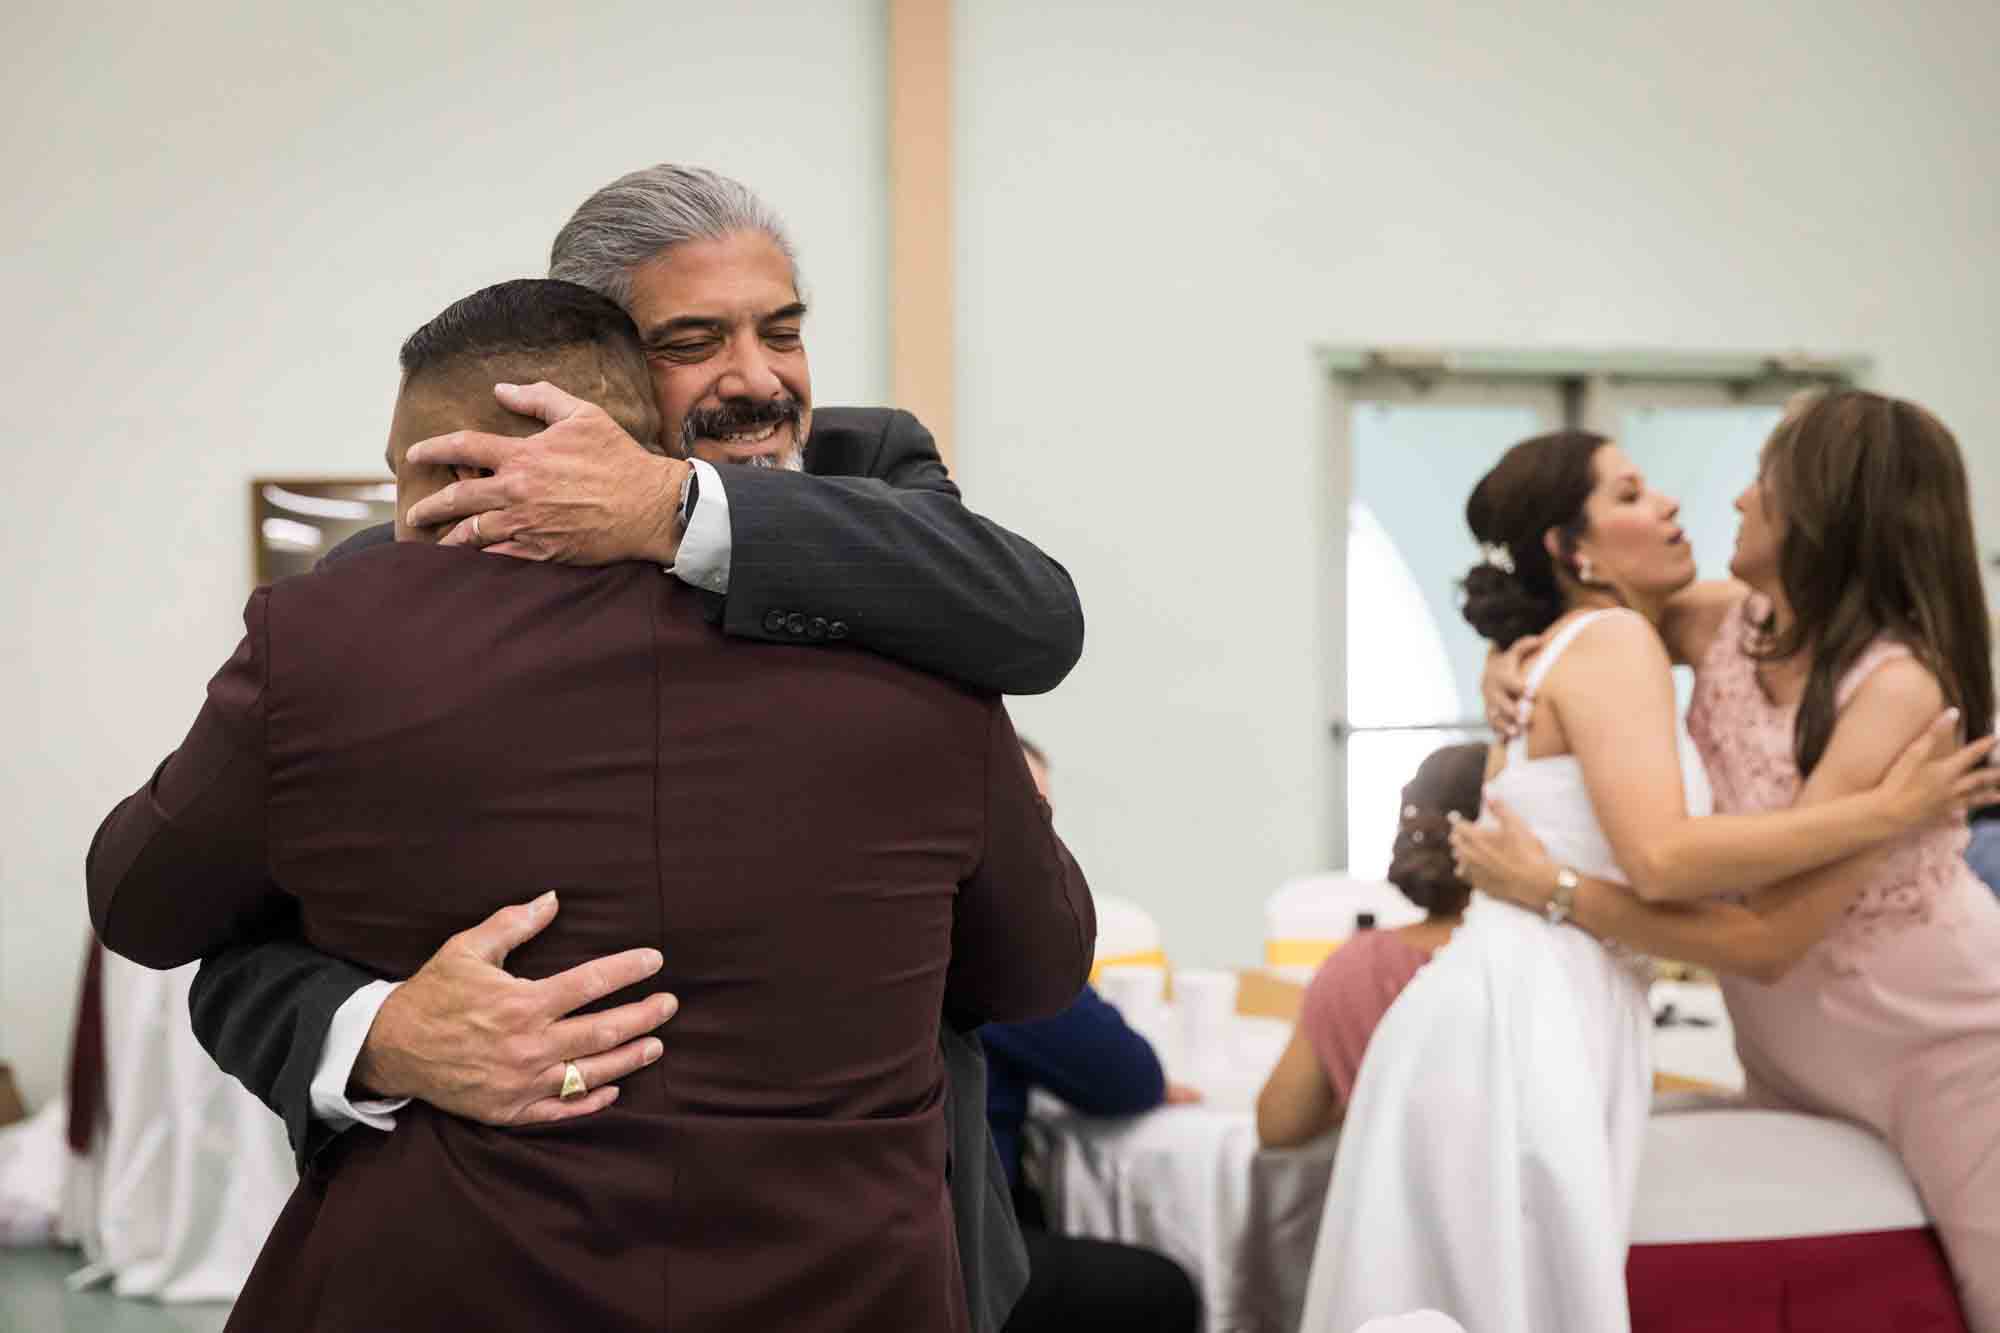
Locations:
(740, 415)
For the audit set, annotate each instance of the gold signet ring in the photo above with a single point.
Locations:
(572, 1087)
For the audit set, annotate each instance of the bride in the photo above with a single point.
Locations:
(1491, 1149)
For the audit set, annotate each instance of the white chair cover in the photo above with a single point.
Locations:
(1308, 917)
(1127, 935)
(183, 1185)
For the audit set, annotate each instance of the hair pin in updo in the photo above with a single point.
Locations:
(1497, 555)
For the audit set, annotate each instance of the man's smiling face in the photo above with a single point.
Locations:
(722, 325)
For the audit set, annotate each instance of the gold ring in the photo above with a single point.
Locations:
(480, 537)
(573, 1086)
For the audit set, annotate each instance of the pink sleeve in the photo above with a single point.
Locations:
(1347, 997)
(1873, 656)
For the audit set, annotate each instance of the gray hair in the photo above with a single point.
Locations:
(640, 216)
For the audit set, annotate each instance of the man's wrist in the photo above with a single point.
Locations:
(373, 1077)
(337, 1101)
(662, 543)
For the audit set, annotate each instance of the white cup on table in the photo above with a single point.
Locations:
(1204, 1007)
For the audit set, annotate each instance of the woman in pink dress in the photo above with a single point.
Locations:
(1869, 990)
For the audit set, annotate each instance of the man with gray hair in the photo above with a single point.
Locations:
(840, 525)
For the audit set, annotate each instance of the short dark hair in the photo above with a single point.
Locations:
(522, 315)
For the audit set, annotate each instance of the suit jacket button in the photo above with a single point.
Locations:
(816, 628)
(837, 630)
(795, 624)
(774, 622)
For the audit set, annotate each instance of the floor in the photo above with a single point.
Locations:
(33, 1299)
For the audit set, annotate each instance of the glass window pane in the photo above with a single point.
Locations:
(1411, 658)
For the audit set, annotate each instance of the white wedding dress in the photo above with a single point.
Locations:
(1491, 1148)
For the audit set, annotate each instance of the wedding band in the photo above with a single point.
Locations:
(572, 1087)
(480, 537)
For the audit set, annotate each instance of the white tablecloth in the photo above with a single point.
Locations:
(1191, 1182)
(179, 1192)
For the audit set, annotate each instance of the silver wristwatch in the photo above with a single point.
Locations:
(1562, 903)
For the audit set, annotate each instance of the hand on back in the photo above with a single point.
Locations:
(467, 1037)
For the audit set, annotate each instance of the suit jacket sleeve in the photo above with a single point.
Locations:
(177, 869)
(888, 552)
(1025, 928)
(262, 1003)
(261, 1009)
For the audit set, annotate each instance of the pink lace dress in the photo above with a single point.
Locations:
(1893, 1020)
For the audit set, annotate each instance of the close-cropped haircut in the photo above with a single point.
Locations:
(523, 315)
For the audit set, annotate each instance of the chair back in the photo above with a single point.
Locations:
(1311, 916)
(1127, 936)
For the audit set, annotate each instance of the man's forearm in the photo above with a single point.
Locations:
(262, 1011)
(907, 572)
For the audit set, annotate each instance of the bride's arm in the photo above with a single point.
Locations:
(1765, 937)
(1760, 940)
(1612, 695)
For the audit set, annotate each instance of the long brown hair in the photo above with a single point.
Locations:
(1878, 541)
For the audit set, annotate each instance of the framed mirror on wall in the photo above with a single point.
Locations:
(296, 520)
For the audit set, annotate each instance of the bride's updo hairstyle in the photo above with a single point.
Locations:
(1540, 483)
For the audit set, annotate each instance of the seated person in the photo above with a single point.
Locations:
(1982, 852)
(827, 850)
(1090, 1058)
(1307, 1093)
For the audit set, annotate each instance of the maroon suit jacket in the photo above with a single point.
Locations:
(828, 849)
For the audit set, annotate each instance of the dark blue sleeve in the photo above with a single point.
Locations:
(1085, 1055)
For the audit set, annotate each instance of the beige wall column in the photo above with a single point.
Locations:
(921, 294)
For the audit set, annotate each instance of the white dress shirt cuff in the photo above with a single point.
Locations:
(337, 1058)
(704, 555)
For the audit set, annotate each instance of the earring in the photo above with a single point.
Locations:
(1584, 573)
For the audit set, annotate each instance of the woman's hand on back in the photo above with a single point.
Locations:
(1504, 860)
(1504, 685)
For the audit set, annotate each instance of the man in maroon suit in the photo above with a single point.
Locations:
(827, 849)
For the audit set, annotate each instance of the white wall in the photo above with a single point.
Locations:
(1163, 204)
(220, 223)
(221, 220)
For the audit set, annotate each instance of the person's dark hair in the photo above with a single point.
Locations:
(1448, 781)
(523, 315)
(1033, 750)
(1878, 540)
(1540, 483)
